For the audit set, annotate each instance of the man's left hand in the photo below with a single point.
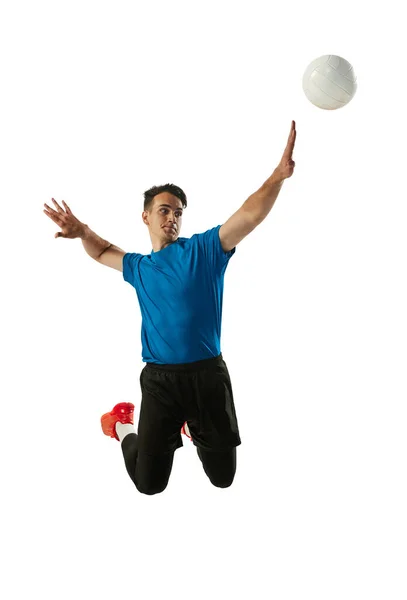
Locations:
(286, 166)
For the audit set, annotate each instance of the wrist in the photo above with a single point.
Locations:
(84, 235)
(275, 179)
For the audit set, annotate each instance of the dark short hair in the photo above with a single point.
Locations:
(168, 187)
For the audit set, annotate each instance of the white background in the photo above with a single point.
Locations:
(101, 101)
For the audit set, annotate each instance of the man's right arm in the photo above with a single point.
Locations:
(71, 228)
(101, 250)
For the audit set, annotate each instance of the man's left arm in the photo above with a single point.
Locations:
(258, 205)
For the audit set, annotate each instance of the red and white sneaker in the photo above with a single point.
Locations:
(122, 412)
(185, 430)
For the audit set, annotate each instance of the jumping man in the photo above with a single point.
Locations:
(185, 383)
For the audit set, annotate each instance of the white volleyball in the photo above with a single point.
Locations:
(329, 82)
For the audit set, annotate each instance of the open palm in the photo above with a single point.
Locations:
(286, 166)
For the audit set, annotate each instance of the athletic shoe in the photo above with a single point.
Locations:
(122, 412)
(185, 431)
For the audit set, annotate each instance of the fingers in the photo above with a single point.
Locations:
(68, 210)
(290, 142)
(59, 208)
(293, 132)
(58, 216)
(52, 214)
(56, 220)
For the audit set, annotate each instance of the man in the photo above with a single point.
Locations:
(185, 383)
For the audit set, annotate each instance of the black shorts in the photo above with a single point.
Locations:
(199, 393)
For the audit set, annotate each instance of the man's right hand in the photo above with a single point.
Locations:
(70, 226)
(97, 248)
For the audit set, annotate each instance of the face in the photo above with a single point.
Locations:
(165, 218)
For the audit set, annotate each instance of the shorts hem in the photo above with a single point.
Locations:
(223, 449)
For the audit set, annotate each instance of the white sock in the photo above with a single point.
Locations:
(123, 429)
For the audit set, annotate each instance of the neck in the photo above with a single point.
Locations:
(160, 245)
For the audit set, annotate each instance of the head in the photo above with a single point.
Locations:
(163, 209)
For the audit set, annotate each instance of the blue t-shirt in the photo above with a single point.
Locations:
(180, 293)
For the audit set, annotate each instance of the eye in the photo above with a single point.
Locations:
(178, 213)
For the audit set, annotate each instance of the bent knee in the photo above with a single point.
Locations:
(223, 483)
(150, 490)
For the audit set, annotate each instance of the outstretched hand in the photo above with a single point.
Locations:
(71, 226)
(286, 166)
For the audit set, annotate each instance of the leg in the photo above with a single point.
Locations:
(150, 474)
(220, 467)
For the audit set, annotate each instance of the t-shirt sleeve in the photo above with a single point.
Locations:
(130, 261)
(210, 244)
